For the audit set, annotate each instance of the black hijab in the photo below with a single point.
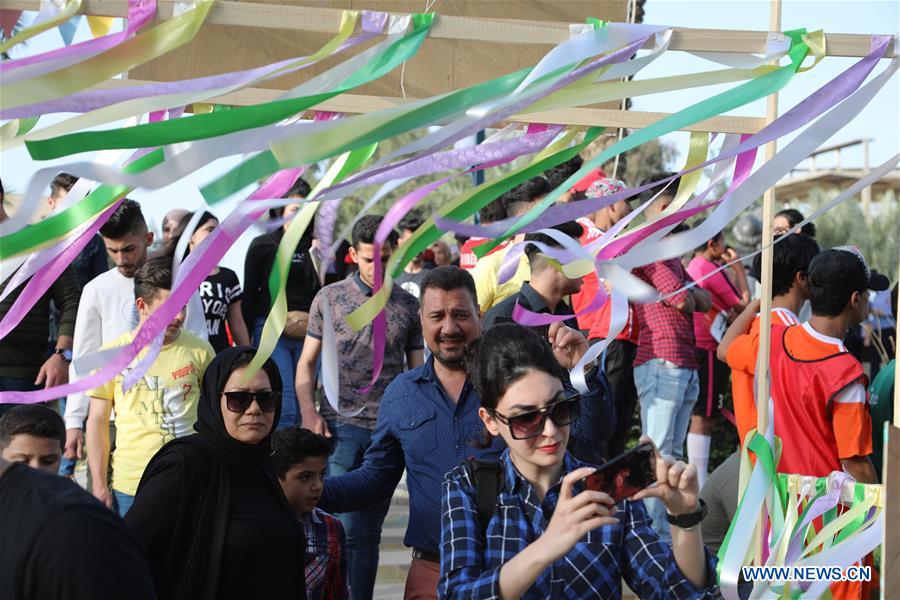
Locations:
(210, 426)
(185, 540)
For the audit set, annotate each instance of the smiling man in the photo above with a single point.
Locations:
(428, 423)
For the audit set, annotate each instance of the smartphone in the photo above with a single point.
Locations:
(625, 474)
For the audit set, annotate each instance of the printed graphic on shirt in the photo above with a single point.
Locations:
(217, 293)
(160, 407)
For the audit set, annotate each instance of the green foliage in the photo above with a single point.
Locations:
(845, 224)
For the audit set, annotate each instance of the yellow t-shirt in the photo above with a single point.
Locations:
(160, 407)
(485, 274)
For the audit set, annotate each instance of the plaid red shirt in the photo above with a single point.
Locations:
(665, 331)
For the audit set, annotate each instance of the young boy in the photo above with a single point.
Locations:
(740, 344)
(160, 407)
(34, 435)
(819, 388)
(300, 458)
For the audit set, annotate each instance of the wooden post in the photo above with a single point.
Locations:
(890, 478)
(762, 365)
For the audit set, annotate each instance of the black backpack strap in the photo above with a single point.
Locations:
(487, 476)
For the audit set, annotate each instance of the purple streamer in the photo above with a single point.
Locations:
(93, 99)
(806, 111)
(620, 55)
(456, 158)
(197, 266)
(38, 285)
(140, 12)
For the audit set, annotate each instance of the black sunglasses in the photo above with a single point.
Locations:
(240, 401)
(531, 424)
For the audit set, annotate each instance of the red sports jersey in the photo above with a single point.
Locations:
(818, 425)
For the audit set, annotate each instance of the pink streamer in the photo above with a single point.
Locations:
(531, 318)
(93, 99)
(42, 280)
(140, 12)
(197, 265)
(393, 216)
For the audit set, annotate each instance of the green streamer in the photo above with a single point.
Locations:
(327, 143)
(750, 91)
(458, 210)
(32, 236)
(217, 123)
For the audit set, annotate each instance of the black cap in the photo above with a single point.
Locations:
(843, 270)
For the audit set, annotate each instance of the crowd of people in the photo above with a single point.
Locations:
(208, 480)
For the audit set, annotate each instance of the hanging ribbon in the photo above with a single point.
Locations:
(458, 209)
(49, 17)
(743, 94)
(237, 119)
(126, 55)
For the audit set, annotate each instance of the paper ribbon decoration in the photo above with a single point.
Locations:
(50, 16)
(130, 53)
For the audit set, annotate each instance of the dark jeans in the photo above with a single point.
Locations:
(363, 527)
(618, 360)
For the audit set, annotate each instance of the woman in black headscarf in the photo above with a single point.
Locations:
(209, 510)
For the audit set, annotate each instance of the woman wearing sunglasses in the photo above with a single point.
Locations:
(548, 536)
(209, 510)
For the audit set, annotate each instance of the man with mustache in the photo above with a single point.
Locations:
(428, 422)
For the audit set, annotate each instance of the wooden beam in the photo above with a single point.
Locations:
(765, 315)
(505, 31)
(357, 103)
(890, 550)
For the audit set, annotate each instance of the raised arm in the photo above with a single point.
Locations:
(739, 326)
(377, 477)
(463, 572)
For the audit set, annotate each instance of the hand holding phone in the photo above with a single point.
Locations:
(626, 474)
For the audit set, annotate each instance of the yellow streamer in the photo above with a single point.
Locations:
(584, 92)
(67, 13)
(563, 142)
(816, 42)
(858, 510)
(277, 318)
(138, 106)
(699, 149)
(125, 56)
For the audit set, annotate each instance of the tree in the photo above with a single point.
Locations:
(845, 224)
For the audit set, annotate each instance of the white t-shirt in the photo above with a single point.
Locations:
(105, 312)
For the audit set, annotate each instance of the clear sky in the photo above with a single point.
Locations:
(880, 121)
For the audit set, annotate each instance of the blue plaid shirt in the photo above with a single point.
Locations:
(593, 568)
(420, 428)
